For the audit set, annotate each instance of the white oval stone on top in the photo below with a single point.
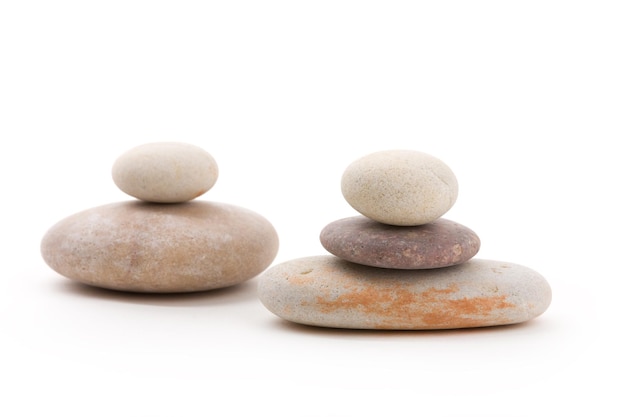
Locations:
(400, 187)
(165, 172)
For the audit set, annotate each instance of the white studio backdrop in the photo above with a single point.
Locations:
(523, 100)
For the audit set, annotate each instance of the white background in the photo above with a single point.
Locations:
(525, 101)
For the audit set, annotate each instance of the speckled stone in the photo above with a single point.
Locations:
(147, 247)
(330, 292)
(165, 172)
(434, 245)
(400, 187)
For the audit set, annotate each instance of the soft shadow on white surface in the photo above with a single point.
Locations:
(241, 293)
(534, 327)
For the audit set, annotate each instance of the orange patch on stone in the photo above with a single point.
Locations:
(464, 312)
(431, 309)
(301, 279)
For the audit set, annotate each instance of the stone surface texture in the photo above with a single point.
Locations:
(165, 172)
(330, 292)
(146, 247)
(400, 187)
(434, 245)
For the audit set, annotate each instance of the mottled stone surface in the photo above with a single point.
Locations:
(146, 247)
(400, 187)
(165, 172)
(330, 292)
(364, 241)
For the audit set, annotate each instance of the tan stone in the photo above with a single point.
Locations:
(146, 247)
(330, 292)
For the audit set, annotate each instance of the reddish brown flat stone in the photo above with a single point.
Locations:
(367, 242)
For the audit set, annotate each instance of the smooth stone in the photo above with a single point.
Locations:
(438, 244)
(165, 172)
(146, 247)
(400, 187)
(328, 291)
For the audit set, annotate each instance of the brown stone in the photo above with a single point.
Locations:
(147, 247)
(367, 242)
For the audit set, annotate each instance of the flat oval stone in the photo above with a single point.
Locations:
(330, 292)
(165, 172)
(146, 247)
(400, 187)
(434, 245)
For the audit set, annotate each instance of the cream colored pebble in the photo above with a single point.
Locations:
(400, 187)
(165, 172)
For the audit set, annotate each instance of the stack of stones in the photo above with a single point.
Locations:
(162, 242)
(399, 265)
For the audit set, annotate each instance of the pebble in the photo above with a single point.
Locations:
(400, 187)
(330, 292)
(438, 244)
(146, 247)
(165, 172)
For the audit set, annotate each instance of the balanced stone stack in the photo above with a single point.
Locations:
(399, 265)
(162, 242)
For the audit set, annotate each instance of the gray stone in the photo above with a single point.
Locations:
(330, 292)
(147, 247)
(434, 245)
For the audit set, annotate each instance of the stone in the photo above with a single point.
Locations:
(400, 187)
(162, 248)
(438, 244)
(165, 172)
(328, 291)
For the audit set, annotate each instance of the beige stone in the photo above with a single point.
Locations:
(400, 187)
(165, 172)
(147, 247)
(330, 292)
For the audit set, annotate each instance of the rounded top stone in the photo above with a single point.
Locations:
(400, 187)
(165, 172)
